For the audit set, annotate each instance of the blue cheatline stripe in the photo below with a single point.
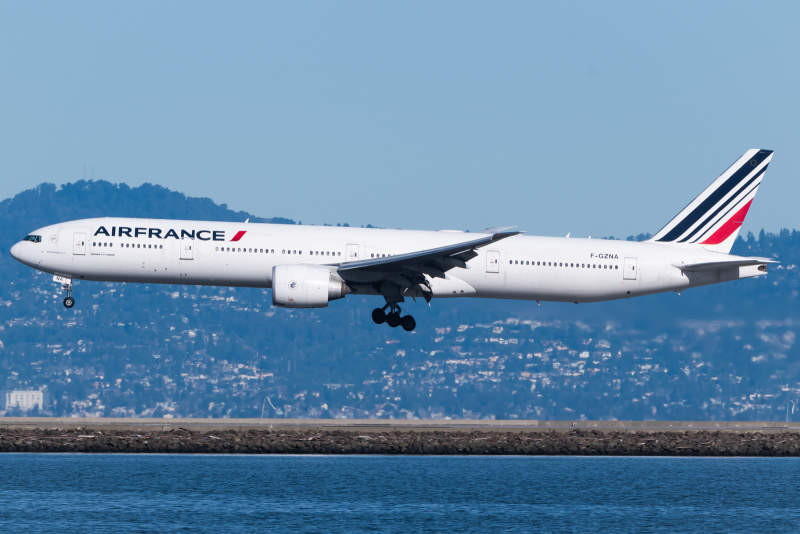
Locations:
(716, 196)
(722, 207)
(724, 215)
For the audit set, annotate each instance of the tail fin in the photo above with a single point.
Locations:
(712, 220)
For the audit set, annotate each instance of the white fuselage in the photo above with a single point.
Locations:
(519, 267)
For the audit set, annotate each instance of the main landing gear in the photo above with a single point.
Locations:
(393, 318)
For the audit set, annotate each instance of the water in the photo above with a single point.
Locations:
(176, 493)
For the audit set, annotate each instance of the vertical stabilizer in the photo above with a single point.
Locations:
(712, 220)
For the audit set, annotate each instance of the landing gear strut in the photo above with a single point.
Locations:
(393, 319)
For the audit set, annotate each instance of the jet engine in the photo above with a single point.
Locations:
(305, 286)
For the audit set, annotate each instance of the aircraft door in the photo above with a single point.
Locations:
(629, 270)
(79, 244)
(352, 253)
(187, 248)
(492, 261)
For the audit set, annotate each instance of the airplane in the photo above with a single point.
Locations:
(310, 266)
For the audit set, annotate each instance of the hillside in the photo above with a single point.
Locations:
(722, 352)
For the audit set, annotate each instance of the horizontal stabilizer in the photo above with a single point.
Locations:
(717, 265)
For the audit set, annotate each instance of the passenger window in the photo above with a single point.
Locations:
(616, 266)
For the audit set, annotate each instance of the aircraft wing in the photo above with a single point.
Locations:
(394, 275)
(442, 258)
(717, 265)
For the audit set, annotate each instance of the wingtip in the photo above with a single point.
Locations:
(502, 230)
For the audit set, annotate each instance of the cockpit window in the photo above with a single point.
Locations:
(33, 238)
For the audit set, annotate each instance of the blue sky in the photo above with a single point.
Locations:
(590, 118)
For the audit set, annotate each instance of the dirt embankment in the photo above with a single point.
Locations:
(577, 442)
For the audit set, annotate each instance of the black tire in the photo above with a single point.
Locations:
(378, 316)
(408, 323)
(393, 320)
(69, 302)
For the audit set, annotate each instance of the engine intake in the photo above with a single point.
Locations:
(305, 286)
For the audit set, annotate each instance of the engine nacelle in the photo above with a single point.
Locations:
(305, 286)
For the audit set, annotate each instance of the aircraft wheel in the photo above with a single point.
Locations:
(378, 316)
(408, 323)
(69, 302)
(393, 320)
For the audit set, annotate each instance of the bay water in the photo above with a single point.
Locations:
(226, 493)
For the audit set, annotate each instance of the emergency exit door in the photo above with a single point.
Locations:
(187, 248)
(352, 253)
(492, 261)
(79, 244)
(629, 272)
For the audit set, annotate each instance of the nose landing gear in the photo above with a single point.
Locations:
(69, 302)
(393, 319)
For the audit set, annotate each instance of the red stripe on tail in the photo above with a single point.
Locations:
(239, 235)
(725, 231)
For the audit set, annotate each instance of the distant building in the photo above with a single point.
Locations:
(24, 400)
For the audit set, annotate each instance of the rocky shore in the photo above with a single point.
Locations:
(575, 442)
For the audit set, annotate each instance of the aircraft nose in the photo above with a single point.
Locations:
(15, 250)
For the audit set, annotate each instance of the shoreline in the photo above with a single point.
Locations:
(572, 442)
